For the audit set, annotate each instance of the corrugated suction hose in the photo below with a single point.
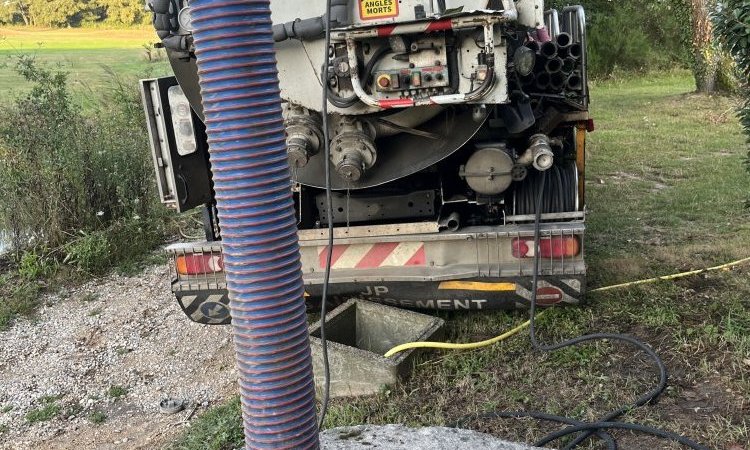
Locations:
(242, 103)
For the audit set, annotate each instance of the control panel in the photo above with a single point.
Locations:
(416, 78)
(417, 68)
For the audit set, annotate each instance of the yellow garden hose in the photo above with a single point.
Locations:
(523, 326)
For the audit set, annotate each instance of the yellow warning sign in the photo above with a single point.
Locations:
(378, 9)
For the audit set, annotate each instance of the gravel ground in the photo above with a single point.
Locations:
(122, 332)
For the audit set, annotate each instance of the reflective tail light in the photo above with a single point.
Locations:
(199, 264)
(550, 248)
(549, 296)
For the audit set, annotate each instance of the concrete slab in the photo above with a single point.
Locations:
(359, 334)
(397, 437)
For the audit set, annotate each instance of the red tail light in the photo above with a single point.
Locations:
(550, 248)
(199, 264)
(549, 296)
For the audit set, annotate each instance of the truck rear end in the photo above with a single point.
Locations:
(443, 117)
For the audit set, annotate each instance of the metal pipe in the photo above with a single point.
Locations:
(575, 51)
(242, 104)
(554, 65)
(542, 81)
(574, 20)
(557, 81)
(575, 81)
(539, 154)
(552, 22)
(451, 223)
(549, 49)
(569, 65)
(564, 40)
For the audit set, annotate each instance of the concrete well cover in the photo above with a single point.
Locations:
(397, 437)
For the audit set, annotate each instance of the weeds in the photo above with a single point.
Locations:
(43, 414)
(16, 300)
(77, 188)
(116, 392)
(84, 180)
(218, 429)
(97, 417)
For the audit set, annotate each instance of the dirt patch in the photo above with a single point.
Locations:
(621, 178)
(132, 336)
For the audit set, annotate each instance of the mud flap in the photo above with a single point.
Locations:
(206, 307)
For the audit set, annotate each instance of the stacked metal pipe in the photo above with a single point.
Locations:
(558, 65)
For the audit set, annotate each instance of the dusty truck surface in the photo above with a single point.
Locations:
(443, 116)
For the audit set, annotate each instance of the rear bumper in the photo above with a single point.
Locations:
(412, 266)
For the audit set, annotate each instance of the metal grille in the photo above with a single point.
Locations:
(493, 260)
(209, 256)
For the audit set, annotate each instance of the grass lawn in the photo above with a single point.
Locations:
(91, 57)
(666, 193)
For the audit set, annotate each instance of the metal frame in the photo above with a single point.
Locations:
(574, 22)
(487, 22)
(159, 139)
(552, 22)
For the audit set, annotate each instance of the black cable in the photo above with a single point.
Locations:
(329, 206)
(376, 57)
(586, 430)
(606, 422)
(348, 102)
(604, 436)
(590, 427)
(537, 345)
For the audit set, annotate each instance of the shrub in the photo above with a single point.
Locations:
(732, 30)
(74, 182)
(34, 264)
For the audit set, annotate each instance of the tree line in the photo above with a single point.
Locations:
(630, 36)
(72, 13)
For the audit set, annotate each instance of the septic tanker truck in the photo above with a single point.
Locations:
(442, 118)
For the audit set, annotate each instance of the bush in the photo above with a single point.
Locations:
(80, 184)
(732, 30)
(35, 265)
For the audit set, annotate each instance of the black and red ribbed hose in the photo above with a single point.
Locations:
(242, 103)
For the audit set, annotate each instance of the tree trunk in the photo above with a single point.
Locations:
(705, 55)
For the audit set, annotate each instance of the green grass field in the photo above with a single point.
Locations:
(666, 193)
(91, 57)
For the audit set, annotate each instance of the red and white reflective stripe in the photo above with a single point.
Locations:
(413, 28)
(372, 256)
(396, 103)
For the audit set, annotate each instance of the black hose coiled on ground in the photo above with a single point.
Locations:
(581, 429)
